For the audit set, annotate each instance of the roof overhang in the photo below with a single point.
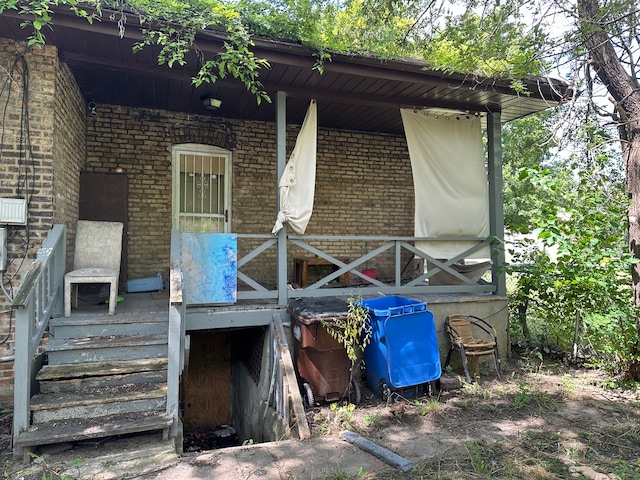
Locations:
(354, 92)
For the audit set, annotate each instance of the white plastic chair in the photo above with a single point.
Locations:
(96, 260)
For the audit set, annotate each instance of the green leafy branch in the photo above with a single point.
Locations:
(38, 14)
(171, 25)
(236, 60)
(352, 331)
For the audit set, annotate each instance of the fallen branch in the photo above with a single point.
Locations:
(382, 453)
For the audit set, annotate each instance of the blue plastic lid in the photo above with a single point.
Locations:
(393, 305)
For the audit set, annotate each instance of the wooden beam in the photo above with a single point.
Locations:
(496, 199)
(290, 377)
(281, 162)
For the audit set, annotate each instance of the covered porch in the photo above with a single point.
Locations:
(122, 119)
(133, 114)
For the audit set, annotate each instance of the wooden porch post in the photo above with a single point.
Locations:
(496, 197)
(281, 161)
(22, 373)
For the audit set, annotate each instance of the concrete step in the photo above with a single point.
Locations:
(83, 429)
(98, 402)
(131, 461)
(102, 349)
(107, 325)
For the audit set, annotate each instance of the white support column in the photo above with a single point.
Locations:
(281, 161)
(496, 198)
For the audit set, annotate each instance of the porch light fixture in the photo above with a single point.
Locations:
(210, 103)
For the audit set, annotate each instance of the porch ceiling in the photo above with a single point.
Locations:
(356, 93)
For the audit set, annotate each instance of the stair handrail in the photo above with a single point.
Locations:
(39, 298)
(176, 335)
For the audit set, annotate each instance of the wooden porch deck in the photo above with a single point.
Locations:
(251, 313)
(158, 302)
(132, 304)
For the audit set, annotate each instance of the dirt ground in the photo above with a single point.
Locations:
(540, 421)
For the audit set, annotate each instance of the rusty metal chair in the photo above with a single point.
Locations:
(461, 328)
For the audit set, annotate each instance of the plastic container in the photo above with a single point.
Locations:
(149, 284)
(322, 364)
(403, 351)
(369, 273)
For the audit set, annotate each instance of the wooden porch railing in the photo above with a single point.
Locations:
(177, 339)
(396, 246)
(39, 298)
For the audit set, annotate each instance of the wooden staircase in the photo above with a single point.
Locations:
(102, 376)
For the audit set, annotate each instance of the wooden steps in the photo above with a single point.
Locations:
(72, 431)
(104, 325)
(53, 385)
(112, 348)
(104, 376)
(98, 402)
(97, 369)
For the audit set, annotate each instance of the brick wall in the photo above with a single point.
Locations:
(25, 167)
(70, 113)
(41, 153)
(363, 184)
(139, 141)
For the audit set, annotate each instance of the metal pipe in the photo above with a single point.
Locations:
(4, 290)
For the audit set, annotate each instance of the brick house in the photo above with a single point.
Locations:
(86, 107)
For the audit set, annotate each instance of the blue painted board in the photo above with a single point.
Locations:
(209, 267)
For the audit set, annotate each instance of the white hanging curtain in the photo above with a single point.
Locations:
(297, 184)
(450, 181)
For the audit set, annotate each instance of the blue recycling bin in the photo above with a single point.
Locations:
(403, 351)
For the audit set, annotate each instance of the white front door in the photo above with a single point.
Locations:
(201, 193)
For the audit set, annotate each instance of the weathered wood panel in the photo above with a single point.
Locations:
(207, 387)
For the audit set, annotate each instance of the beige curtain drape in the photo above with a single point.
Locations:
(450, 181)
(297, 184)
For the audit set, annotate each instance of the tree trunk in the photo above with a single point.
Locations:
(625, 91)
(522, 308)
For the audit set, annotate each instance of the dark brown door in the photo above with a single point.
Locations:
(105, 197)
